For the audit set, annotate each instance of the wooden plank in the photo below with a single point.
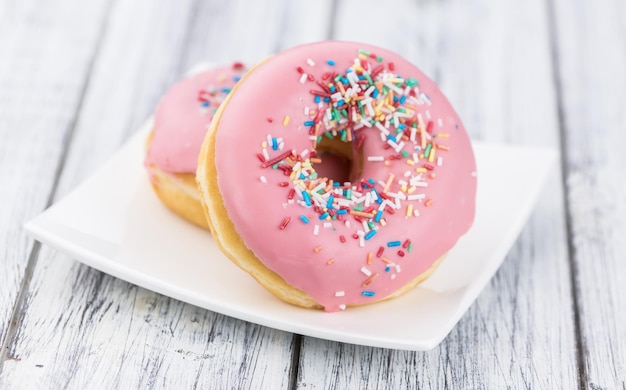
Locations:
(42, 75)
(102, 331)
(487, 57)
(590, 41)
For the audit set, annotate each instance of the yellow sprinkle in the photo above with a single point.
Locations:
(411, 190)
(286, 120)
(403, 189)
(409, 210)
(421, 170)
(443, 135)
(264, 144)
(431, 157)
(410, 162)
(383, 222)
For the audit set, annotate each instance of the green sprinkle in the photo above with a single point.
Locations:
(405, 154)
(410, 248)
(379, 59)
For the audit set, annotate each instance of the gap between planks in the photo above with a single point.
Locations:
(571, 249)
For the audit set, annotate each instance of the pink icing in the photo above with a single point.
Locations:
(183, 115)
(329, 270)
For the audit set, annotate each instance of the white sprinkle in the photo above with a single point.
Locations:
(421, 184)
(413, 131)
(340, 293)
(393, 276)
(281, 146)
(361, 242)
(316, 230)
(398, 269)
(439, 161)
(428, 114)
(327, 225)
(440, 122)
(303, 78)
(416, 196)
(416, 213)
(407, 173)
(310, 62)
(304, 153)
(365, 226)
(307, 110)
(399, 147)
(263, 180)
(375, 158)
(265, 154)
(366, 271)
(347, 224)
(342, 307)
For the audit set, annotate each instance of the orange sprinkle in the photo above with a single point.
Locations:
(432, 175)
(369, 258)
(361, 214)
(370, 279)
(316, 160)
(385, 260)
(317, 249)
(443, 147)
(330, 261)
(428, 202)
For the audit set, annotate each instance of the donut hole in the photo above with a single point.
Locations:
(340, 162)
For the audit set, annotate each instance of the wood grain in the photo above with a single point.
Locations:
(591, 62)
(99, 331)
(491, 59)
(40, 92)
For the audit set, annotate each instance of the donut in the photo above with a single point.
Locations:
(181, 121)
(353, 235)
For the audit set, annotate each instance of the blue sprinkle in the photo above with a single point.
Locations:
(330, 62)
(391, 244)
(370, 234)
(274, 144)
(309, 123)
(378, 215)
(326, 99)
(317, 99)
(302, 177)
(342, 211)
(387, 269)
(332, 89)
(371, 181)
(236, 78)
(391, 137)
(368, 293)
(375, 93)
(329, 204)
(340, 103)
(307, 198)
(323, 216)
(336, 184)
(395, 98)
(205, 104)
(403, 99)
(304, 218)
(379, 200)
(401, 126)
(225, 90)
(345, 80)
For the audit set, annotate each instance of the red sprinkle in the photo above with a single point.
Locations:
(275, 159)
(355, 236)
(310, 77)
(270, 119)
(238, 66)
(283, 184)
(342, 238)
(260, 157)
(392, 66)
(292, 192)
(401, 253)
(380, 251)
(300, 70)
(325, 76)
(406, 243)
(429, 127)
(429, 167)
(285, 222)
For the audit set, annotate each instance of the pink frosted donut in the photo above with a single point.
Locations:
(337, 239)
(181, 121)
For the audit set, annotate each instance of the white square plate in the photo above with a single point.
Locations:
(127, 233)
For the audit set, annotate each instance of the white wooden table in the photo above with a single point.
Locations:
(78, 77)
